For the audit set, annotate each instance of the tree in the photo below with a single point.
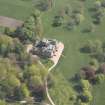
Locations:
(79, 102)
(89, 47)
(86, 96)
(88, 72)
(39, 28)
(100, 78)
(50, 3)
(94, 63)
(103, 4)
(98, 46)
(100, 56)
(30, 71)
(13, 81)
(79, 8)
(8, 78)
(97, 4)
(83, 0)
(103, 46)
(85, 84)
(89, 28)
(31, 29)
(6, 45)
(97, 16)
(71, 24)
(38, 23)
(28, 29)
(68, 10)
(79, 18)
(35, 75)
(102, 69)
(35, 81)
(36, 14)
(58, 21)
(44, 5)
(93, 46)
(3, 50)
(7, 31)
(24, 91)
(18, 47)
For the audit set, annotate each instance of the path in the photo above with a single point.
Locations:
(55, 59)
(46, 85)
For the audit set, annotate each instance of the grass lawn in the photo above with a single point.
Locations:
(99, 96)
(73, 60)
(16, 8)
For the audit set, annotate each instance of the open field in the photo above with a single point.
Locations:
(73, 60)
(73, 40)
(99, 98)
(15, 8)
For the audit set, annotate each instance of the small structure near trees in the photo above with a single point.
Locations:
(45, 48)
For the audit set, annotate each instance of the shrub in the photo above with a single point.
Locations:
(78, 8)
(31, 29)
(100, 78)
(98, 15)
(92, 46)
(58, 21)
(97, 4)
(89, 47)
(44, 5)
(79, 18)
(103, 4)
(85, 84)
(100, 56)
(94, 63)
(24, 91)
(86, 96)
(7, 31)
(6, 45)
(70, 24)
(68, 10)
(89, 28)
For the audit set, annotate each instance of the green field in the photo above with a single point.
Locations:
(73, 60)
(15, 8)
(99, 98)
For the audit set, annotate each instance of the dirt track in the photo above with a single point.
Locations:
(10, 22)
(55, 60)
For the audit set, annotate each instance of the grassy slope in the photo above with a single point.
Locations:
(73, 40)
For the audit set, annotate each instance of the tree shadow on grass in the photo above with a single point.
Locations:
(78, 88)
(84, 50)
(92, 9)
